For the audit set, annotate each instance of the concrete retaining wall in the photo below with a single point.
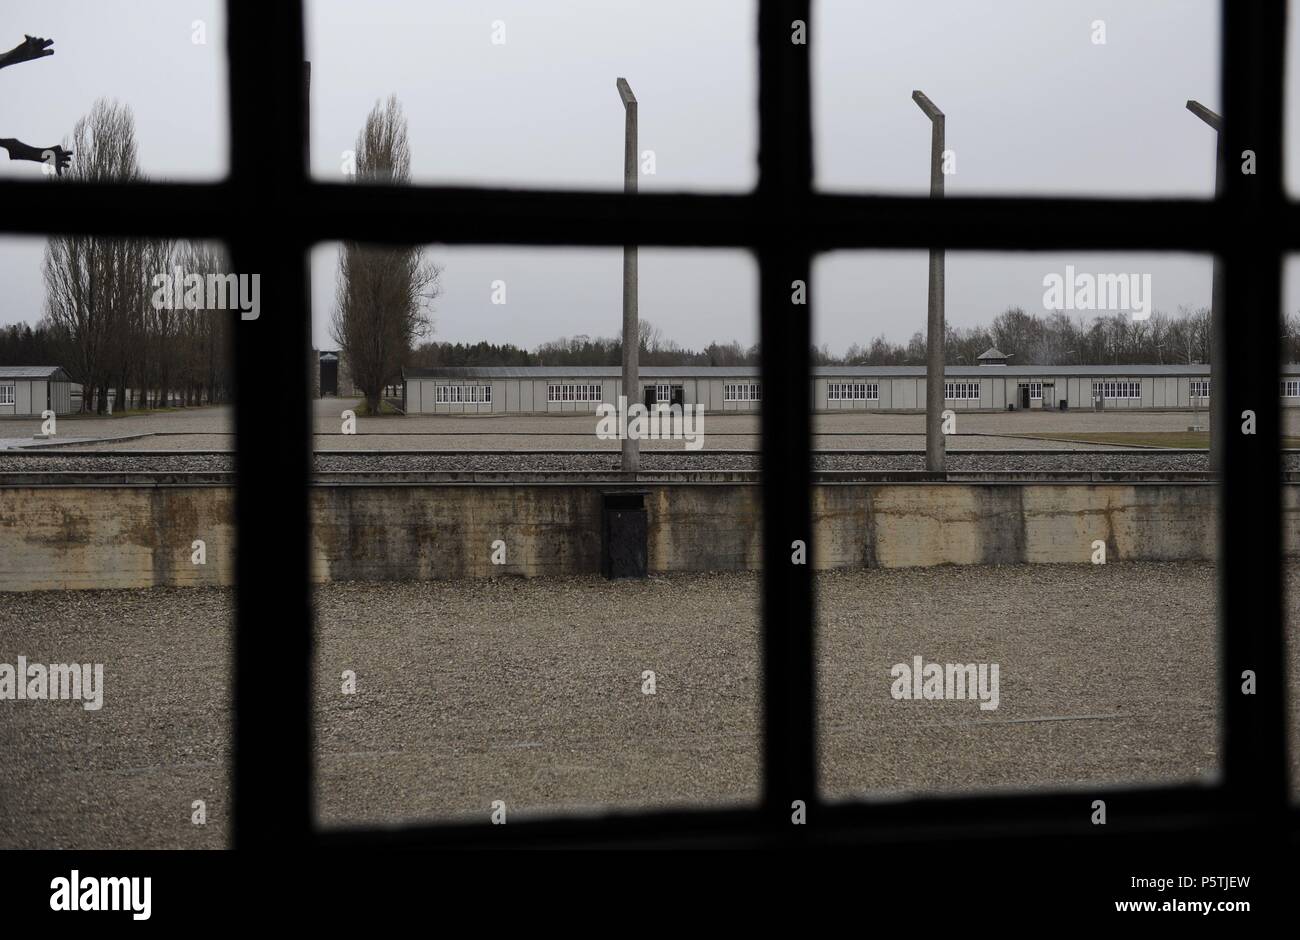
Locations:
(56, 537)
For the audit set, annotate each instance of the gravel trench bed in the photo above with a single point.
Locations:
(651, 461)
(533, 692)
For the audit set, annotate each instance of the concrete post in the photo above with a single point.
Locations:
(631, 326)
(934, 358)
(1218, 326)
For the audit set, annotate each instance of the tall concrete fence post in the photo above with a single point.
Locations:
(631, 327)
(1218, 325)
(934, 357)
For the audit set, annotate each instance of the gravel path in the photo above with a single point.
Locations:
(1028, 461)
(530, 691)
(209, 429)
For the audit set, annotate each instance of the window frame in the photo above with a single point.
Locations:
(742, 392)
(785, 222)
(446, 393)
(853, 391)
(562, 392)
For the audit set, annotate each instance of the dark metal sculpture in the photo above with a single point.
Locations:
(33, 47)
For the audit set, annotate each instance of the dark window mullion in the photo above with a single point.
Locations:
(1247, 335)
(272, 733)
(785, 420)
(1250, 531)
(402, 215)
(785, 180)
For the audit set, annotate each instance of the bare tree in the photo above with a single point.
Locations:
(650, 338)
(383, 293)
(203, 342)
(96, 287)
(916, 349)
(1013, 332)
(1291, 336)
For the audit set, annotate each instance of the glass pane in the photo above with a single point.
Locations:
(1068, 97)
(1290, 389)
(116, 563)
(472, 659)
(152, 73)
(1292, 105)
(1044, 614)
(518, 95)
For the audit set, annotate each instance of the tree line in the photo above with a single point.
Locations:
(582, 350)
(1029, 339)
(1057, 339)
(99, 320)
(101, 325)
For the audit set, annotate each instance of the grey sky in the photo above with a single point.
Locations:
(1033, 106)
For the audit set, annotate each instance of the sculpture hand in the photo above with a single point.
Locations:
(62, 159)
(32, 47)
(56, 157)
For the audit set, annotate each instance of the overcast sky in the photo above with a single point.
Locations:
(1033, 104)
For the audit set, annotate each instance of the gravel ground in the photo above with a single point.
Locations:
(715, 461)
(326, 412)
(577, 441)
(650, 461)
(209, 429)
(584, 442)
(530, 692)
(1094, 688)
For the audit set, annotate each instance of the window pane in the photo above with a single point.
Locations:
(1061, 98)
(1292, 105)
(469, 649)
(1290, 389)
(1044, 615)
(518, 95)
(116, 598)
(166, 67)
